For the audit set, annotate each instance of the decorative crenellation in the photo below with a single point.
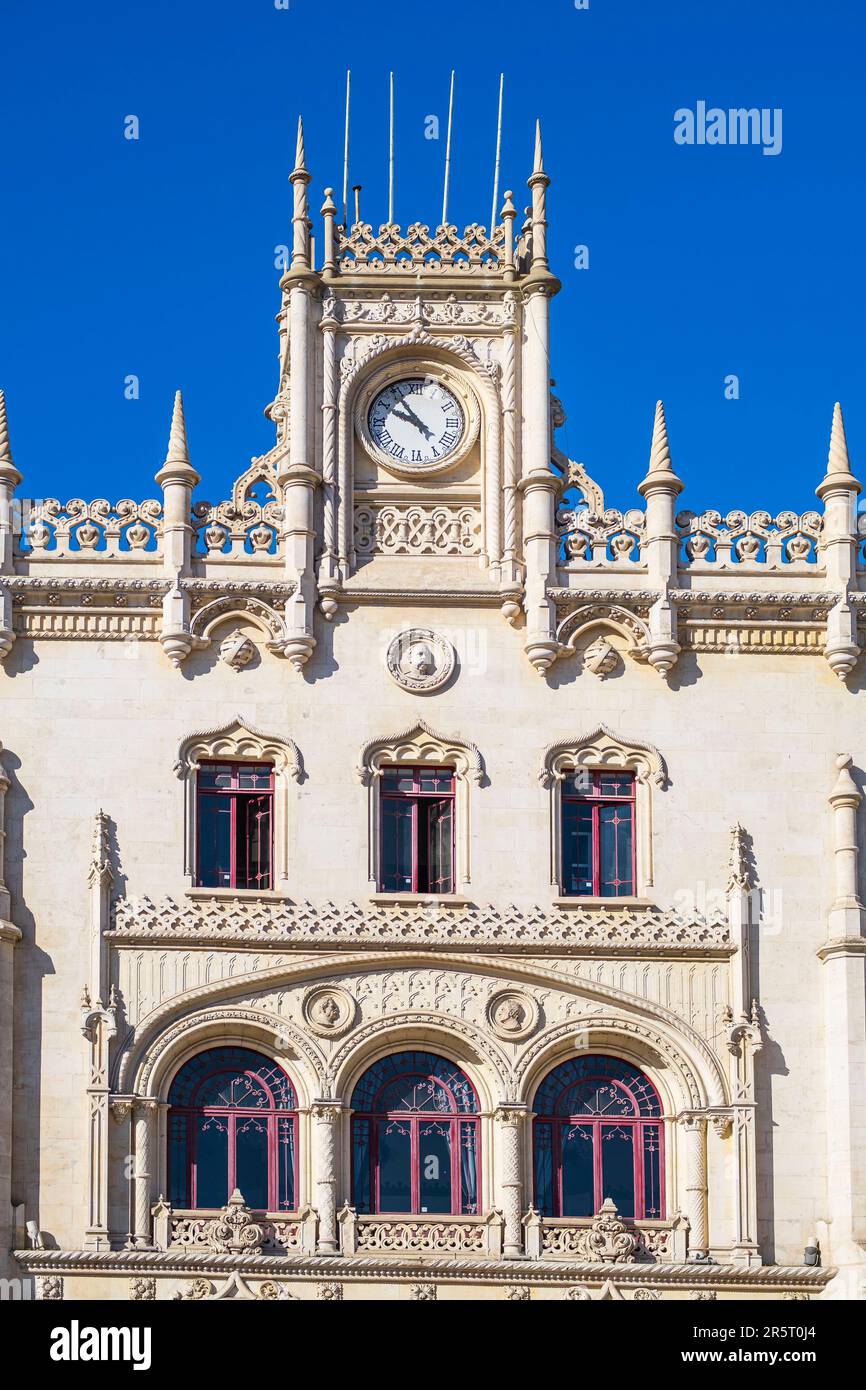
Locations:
(389, 251)
(572, 930)
(99, 530)
(247, 524)
(789, 541)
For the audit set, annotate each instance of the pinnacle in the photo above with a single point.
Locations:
(660, 468)
(5, 446)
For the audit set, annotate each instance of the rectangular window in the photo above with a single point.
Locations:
(235, 825)
(417, 830)
(598, 842)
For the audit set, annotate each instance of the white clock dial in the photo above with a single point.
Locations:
(416, 421)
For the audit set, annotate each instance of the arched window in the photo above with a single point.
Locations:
(415, 1137)
(597, 1134)
(232, 1123)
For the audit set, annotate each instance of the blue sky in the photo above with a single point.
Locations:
(155, 257)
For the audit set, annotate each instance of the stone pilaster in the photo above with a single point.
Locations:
(511, 1123)
(326, 1116)
(9, 480)
(9, 936)
(144, 1112)
(694, 1127)
(844, 977)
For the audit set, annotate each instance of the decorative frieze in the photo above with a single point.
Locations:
(417, 529)
(573, 930)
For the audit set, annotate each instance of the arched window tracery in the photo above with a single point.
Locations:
(232, 1123)
(598, 1133)
(415, 1137)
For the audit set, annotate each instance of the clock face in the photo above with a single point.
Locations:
(416, 421)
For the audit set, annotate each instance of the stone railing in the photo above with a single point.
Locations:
(390, 529)
(789, 542)
(606, 1238)
(99, 530)
(390, 251)
(610, 540)
(420, 1235)
(234, 1231)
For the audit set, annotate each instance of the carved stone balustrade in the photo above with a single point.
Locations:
(744, 542)
(606, 1238)
(234, 1231)
(420, 1235)
(389, 251)
(92, 531)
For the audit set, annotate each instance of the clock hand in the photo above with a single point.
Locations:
(411, 418)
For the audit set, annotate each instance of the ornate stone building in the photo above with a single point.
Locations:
(421, 879)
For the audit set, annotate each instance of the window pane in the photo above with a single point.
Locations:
(578, 1183)
(436, 780)
(255, 777)
(253, 842)
(468, 1168)
(543, 1145)
(215, 775)
(251, 1158)
(214, 841)
(615, 783)
(579, 783)
(361, 1165)
(396, 845)
(396, 780)
(617, 1166)
(576, 848)
(615, 850)
(211, 1161)
(286, 1162)
(652, 1186)
(440, 819)
(178, 1161)
(395, 1177)
(434, 1158)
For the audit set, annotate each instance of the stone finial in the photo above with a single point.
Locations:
(177, 466)
(7, 466)
(100, 858)
(739, 869)
(660, 470)
(300, 154)
(538, 161)
(838, 473)
(845, 790)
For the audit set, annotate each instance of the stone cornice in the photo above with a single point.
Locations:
(453, 1269)
(575, 931)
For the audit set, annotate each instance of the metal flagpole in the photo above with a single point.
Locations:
(346, 154)
(448, 153)
(498, 155)
(391, 155)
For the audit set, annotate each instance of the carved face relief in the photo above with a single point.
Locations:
(512, 1015)
(237, 651)
(328, 1010)
(420, 660)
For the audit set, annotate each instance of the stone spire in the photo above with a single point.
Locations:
(6, 462)
(177, 455)
(660, 471)
(538, 184)
(299, 178)
(538, 163)
(838, 473)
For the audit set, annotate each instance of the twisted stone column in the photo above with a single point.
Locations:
(695, 1129)
(143, 1121)
(326, 1117)
(510, 1120)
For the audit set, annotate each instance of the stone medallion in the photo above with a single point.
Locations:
(512, 1015)
(328, 1011)
(237, 651)
(420, 660)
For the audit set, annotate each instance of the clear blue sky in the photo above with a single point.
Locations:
(155, 257)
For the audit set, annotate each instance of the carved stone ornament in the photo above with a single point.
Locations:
(142, 1290)
(234, 1232)
(512, 1015)
(420, 660)
(328, 1011)
(601, 658)
(577, 1295)
(422, 1293)
(607, 1239)
(237, 651)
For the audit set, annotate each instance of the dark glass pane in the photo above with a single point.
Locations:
(215, 775)
(412, 1079)
(434, 1160)
(543, 1144)
(652, 1185)
(397, 780)
(214, 841)
(396, 845)
(617, 1166)
(211, 1161)
(576, 848)
(415, 1094)
(615, 784)
(361, 1165)
(578, 783)
(253, 842)
(286, 1164)
(440, 820)
(251, 1159)
(468, 1168)
(615, 850)
(178, 1161)
(395, 1177)
(436, 780)
(232, 1090)
(231, 1076)
(578, 1183)
(573, 1084)
(255, 777)
(596, 1097)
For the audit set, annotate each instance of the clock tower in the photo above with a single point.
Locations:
(414, 414)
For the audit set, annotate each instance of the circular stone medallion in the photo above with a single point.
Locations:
(420, 660)
(512, 1015)
(328, 1010)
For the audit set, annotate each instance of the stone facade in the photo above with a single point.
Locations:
(343, 611)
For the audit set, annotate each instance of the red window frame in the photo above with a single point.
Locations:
(235, 793)
(598, 798)
(416, 795)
